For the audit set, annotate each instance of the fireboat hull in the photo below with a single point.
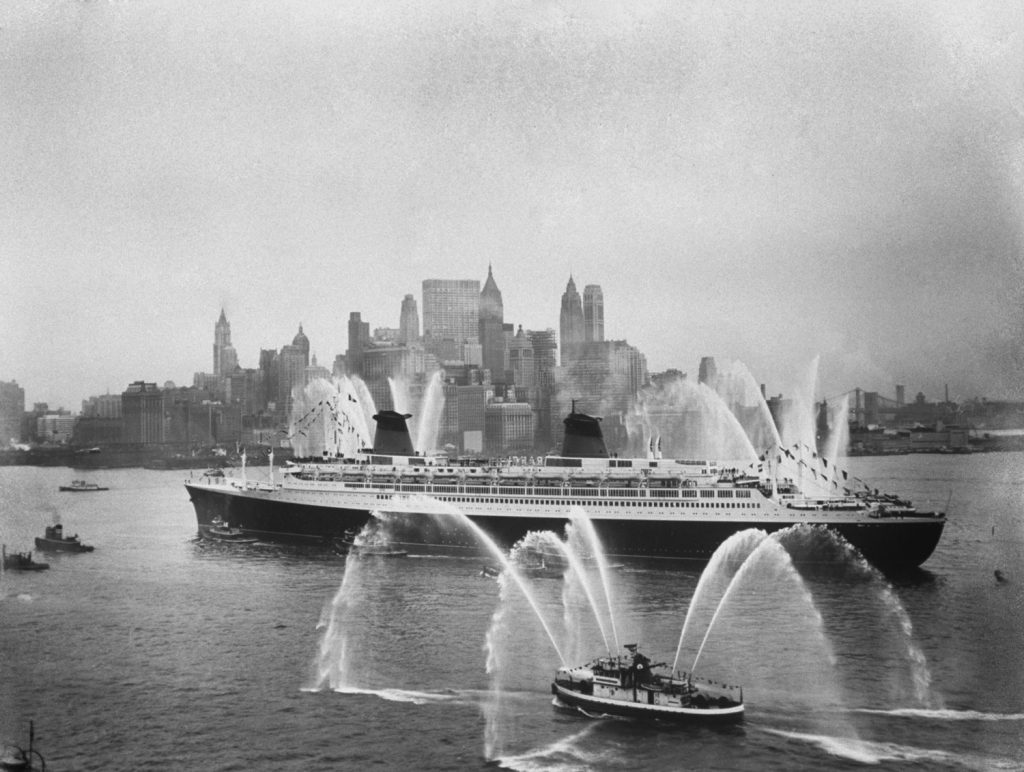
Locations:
(894, 542)
(645, 710)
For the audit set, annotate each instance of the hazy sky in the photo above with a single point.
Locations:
(763, 182)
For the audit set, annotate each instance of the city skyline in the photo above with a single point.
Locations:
(765, 185)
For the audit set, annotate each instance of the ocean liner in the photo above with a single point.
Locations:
(646, 508)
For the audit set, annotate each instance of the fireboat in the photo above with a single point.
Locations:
(632, 686)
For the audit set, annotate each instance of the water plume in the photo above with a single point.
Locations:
(691, 420)
(715, 579)
(822, 554)
(580, 525)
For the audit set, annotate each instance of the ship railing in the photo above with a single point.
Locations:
(684, 681)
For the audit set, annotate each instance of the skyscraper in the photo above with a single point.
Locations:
(409, 322)
(358, 340)
(545, 360)
(301, 342)
(570, 323)
(291, 373)
(12, 411)
(451, 315)
(491, 329)
(225, 360)
(708, 372)
(593, 314)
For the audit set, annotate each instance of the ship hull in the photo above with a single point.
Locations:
(637, 709)
(896, 542)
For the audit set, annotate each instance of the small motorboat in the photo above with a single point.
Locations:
(81, 486)
(631, 686)
(54, 540)
(218, 530)
(20, 561)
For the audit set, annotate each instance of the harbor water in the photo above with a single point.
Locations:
(161, 651)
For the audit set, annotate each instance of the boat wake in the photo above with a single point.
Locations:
(943, 714)
(465, 697)
(868, 752)
(565, 755)
(557, 703)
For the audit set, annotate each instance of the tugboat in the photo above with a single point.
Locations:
(54, 540)
(81, 486)
(20, 561)
(630, 686)
(218, 530)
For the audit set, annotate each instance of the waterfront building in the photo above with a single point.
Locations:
(593, 314)
(471, 404)
(491, 330)
(451, 315)
(12, 410)
(409, 321)
(245, 389)
(570, 323)
(56, 428)
(103, 406)
(142, 406)
(94, 430)
(509, 428)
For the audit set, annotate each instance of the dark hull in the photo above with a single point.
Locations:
(893, 542)
(642, 711)
(19, 565)
(60, 545)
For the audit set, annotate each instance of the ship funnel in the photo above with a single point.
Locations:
(392, 433)
(583, 437)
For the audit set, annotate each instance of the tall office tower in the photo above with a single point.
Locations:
(409, 322)
(301, 342)
(491, 329)
(545, 360)
(225, 360)
(451, 309)
(268, 377)
(12, 410)
(593, 313)
(451, 315)
(521, 364)
(570, 323)
(708, 372)
(291, 371)
(358, 340)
